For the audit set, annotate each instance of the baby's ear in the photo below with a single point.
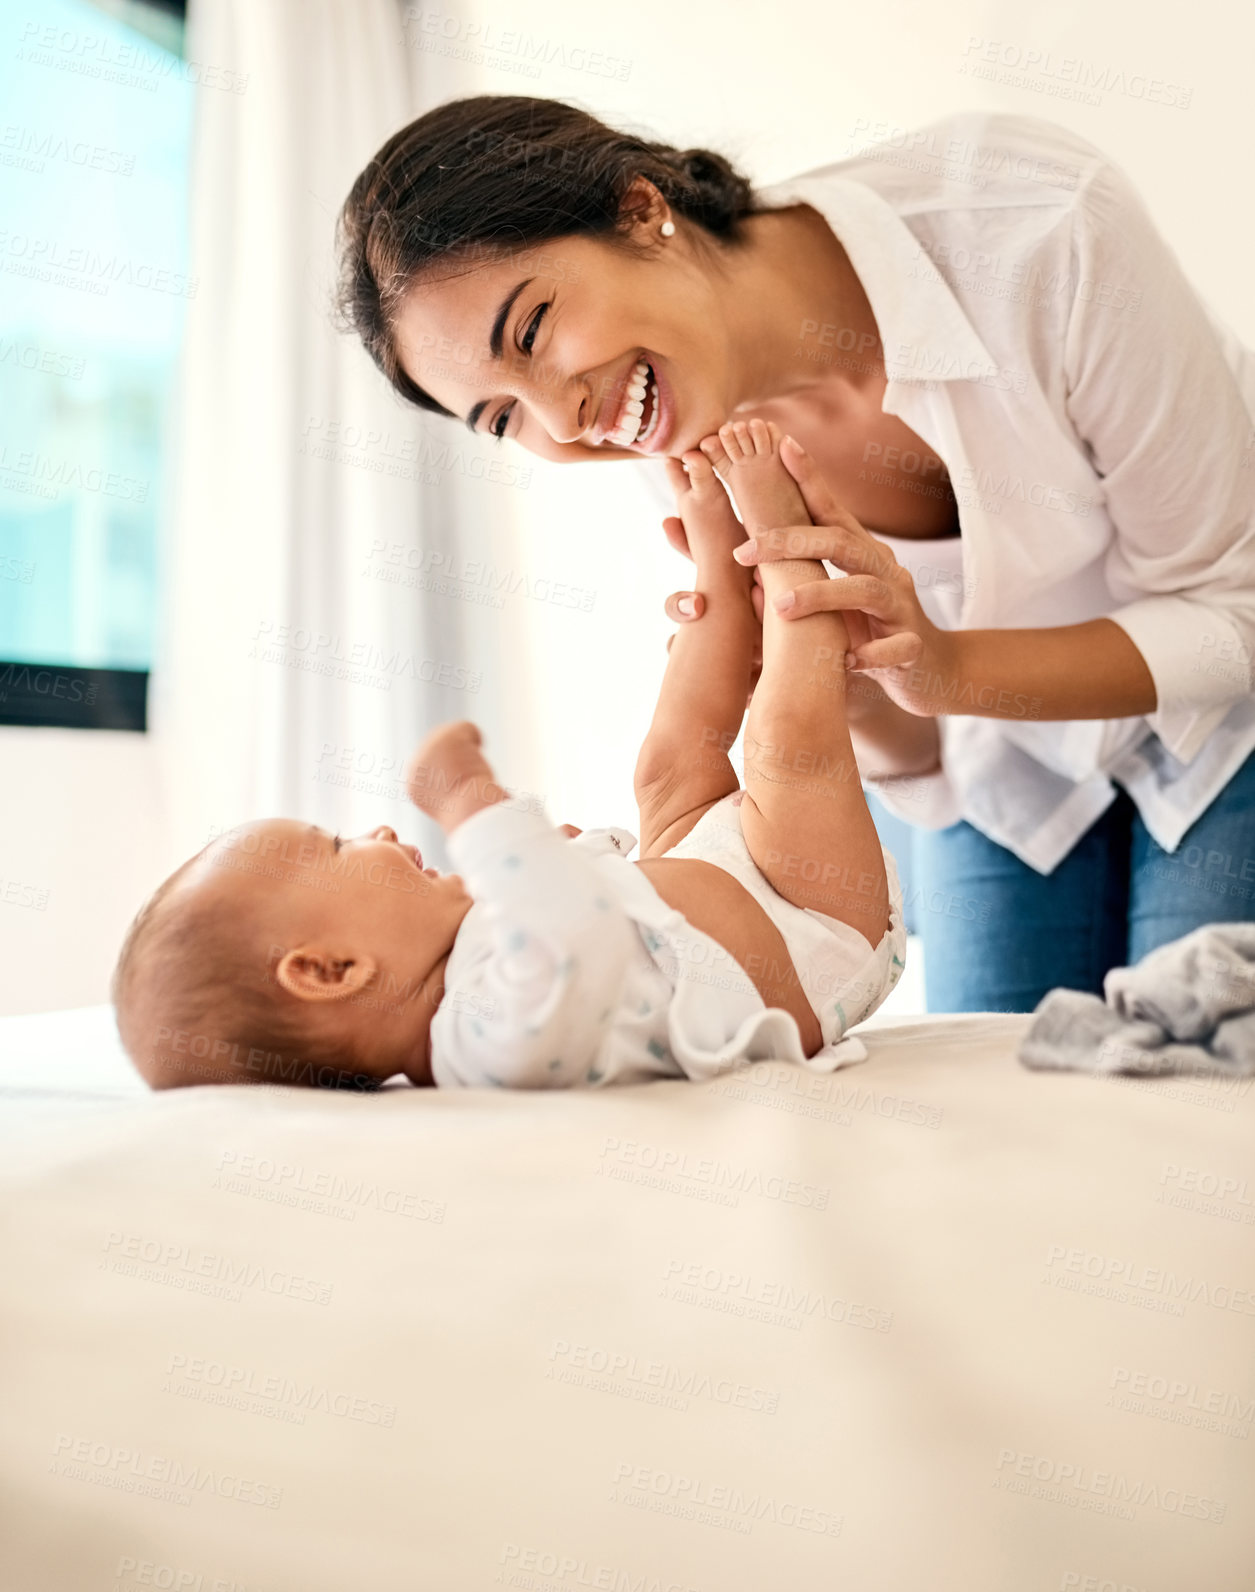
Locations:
(312, 973)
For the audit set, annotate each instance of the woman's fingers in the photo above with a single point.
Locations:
(852, 550)
(673, 530)
(890, 652)
(682, 605)
(867, 593)
(821, 505)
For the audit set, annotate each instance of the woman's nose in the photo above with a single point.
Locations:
(564, 408)
(384, 832)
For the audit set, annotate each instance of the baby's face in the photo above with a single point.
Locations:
(365, 899)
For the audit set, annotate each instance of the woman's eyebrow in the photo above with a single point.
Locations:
(495, 342)
(498, 326)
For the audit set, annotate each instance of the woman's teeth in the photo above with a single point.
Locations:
(628, 430)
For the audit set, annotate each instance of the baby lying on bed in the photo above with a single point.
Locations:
(757, 923)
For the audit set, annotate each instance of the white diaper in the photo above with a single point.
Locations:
(843, 976)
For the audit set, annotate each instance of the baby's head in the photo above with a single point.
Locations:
(283, 954)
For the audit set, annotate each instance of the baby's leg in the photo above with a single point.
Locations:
(804, 817)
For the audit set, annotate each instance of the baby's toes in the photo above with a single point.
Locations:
(713, 449)
(677, 476)
(765, 436)
(735, 435)
(700, 473)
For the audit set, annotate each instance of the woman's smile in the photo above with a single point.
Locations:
(639, 413)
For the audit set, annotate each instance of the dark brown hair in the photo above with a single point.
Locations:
(481, 177)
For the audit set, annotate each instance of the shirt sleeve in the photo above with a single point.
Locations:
(530, 1004)
(1167, 428)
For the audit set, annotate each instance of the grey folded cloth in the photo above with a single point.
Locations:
(1198, 988)
(1190, 984)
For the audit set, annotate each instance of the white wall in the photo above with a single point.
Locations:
(782, 88)
(777, 88)
(80, 846)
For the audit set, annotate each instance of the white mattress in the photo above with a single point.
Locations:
(775, 1331)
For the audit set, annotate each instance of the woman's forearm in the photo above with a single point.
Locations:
(1086, 671)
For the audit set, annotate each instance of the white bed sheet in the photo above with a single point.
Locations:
(290, 1342)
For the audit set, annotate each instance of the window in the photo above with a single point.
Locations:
(95, 132)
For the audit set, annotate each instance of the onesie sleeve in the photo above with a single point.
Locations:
(529, 997)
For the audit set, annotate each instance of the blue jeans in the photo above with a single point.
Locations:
(997, 935)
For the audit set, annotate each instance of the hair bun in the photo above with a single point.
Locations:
(719, 196)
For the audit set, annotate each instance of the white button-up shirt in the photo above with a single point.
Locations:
(1096, 422)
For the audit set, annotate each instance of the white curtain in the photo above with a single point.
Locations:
(294, 675)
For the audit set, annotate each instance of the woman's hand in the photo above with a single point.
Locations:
(891, 637)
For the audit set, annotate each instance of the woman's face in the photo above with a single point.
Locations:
(545, 347)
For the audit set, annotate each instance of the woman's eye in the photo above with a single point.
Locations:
(533, 326)
(501, 422)
(335, 842)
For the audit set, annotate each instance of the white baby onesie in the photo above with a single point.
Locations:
(571, 971)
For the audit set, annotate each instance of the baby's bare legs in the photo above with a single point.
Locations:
(804, 816)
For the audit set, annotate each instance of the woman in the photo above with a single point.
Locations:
(1032, 458)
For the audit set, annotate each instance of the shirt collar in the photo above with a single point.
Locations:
(925, 334)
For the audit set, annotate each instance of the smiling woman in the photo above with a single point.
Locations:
(475, 271)
(1048, 560)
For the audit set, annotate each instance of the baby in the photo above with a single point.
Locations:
(757, 923)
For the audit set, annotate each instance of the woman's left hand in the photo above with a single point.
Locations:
(891, 637)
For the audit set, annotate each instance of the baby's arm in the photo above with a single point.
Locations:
(805, 817)
(536, 984)
(683, 767)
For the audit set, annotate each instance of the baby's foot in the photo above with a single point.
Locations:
(746, 455)
(710, 523)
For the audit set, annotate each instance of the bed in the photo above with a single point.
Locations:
(932, 1321)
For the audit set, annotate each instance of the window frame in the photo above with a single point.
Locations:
(69, 696)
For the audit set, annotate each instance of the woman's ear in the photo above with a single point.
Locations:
(642, 210)
(313, 974)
